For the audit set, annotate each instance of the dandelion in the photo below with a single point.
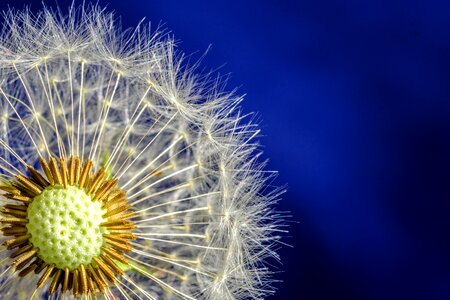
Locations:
(123, 174)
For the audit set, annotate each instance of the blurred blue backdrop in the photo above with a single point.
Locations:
(355, 109)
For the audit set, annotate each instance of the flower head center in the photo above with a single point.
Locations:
(64, 224)
(73, 223)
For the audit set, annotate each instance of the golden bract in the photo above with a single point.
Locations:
(85, 278)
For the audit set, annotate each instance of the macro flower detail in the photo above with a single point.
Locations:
(72, 224)
(123, 173)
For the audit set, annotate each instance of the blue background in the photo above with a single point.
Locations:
(355, 109)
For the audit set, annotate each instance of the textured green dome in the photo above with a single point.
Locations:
(65, 225)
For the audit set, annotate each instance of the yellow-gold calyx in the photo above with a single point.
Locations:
(71, 224)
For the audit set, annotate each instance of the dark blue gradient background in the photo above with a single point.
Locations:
(355, 110)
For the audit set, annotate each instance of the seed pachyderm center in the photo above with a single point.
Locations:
(64, 224)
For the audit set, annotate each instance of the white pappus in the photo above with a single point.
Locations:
(118, 116)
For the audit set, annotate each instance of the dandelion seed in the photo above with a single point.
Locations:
(123, 175)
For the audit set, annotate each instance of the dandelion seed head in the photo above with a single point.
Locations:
(124, 173)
